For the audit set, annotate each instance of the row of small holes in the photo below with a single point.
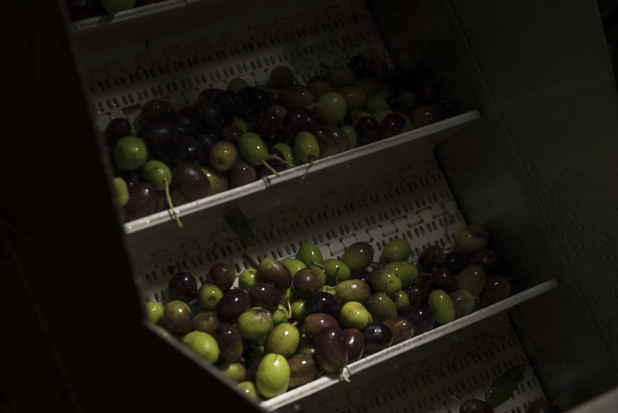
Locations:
(135, 76)
(290, 250)
(370, 221)
(435, 398)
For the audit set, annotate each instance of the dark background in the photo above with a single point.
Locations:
(50, 200)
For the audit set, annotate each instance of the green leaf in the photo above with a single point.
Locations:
(240, 225)
(503, 386)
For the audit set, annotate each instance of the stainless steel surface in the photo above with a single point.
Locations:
(539, 168)
(606, 402)
(426, 137)
(404, 349)
(463, 364)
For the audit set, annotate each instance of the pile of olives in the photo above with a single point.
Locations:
(230, 138)
(281, 324)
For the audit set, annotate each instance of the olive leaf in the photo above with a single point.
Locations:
(240, 225)
(503, 386)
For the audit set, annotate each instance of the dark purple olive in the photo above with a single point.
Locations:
(252, 368)
(230, 133)
(331, 352)
(355, 341)
(182, 286)
(341, 138)
(314, 323)
(323, 302)
(232, 305)
(393, 103)
(160, 136)
(156, 109)
(255, 100)
(209, 95)
(443, 279)
(308, 280)
(230, 342)
(190, 181)
(358, 65)
(230, 103)
(363, 276)
(377, 337)
(116, 129)
(456, 261)
(262, 171)
(274, 272)
(131, 177)
(222, 275)
(207, 140)
(421, 316)
(489, 260)
(497, 288)
(401, 327)
(393, 124)
(368, 130)
(208, 115)
(186, 150)
(142, 201)
(431, 257)
(241, 174)
(264, 295)
(184, 118)
(326, 140)
(206, 322)
(295, 121)
(303, 369)
(418, 292)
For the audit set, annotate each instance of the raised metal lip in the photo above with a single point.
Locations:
(441, 331)
(426, 132)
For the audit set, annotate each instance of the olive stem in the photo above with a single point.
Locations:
(317, 264)
(169, 202)
(289, 310)
(456, 399)
(307, 170)
(250, 260)
(284, 161)
(344, 378)
(337, 273)
(270, 168)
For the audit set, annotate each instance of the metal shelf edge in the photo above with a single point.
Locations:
(450, 126)
(438, 332)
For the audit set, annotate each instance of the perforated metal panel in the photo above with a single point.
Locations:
(391, 190)
(463, 365)
(413, 204)
(220, 46)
